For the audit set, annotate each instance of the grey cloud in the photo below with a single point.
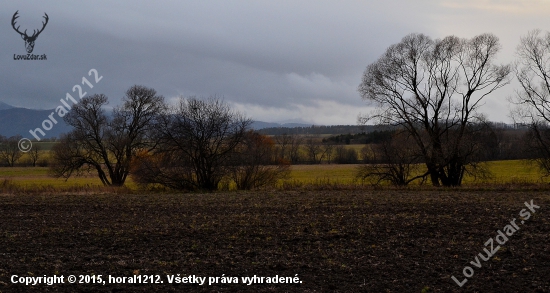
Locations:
(293, 57)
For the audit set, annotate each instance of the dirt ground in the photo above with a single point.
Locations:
(331, 241)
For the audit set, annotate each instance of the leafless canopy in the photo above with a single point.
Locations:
(394, 161)
(254, 163)
(532, 68)
(197, 138)
(433, 89)
(9, 150)
(107, 144)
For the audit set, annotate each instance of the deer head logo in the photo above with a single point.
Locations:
(29, 40)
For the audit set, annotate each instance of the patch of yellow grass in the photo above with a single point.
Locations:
(309, 174)
(504, 172)
(38, 176)
(513, 171)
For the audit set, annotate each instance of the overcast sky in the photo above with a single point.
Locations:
(274, 60)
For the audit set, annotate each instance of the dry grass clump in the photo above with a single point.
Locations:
(8, 187)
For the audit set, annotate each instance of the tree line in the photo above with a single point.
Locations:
(10, 153)
(196, 145)
(318, 129)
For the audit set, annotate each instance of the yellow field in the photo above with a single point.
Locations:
(312, 174)
(38, 176)
(503, 172)
(516, 171)
(30, 177)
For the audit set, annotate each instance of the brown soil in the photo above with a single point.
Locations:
(335, 241)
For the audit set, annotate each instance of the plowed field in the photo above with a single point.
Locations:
(332, 241)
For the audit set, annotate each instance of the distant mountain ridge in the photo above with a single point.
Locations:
(4, 106)
(18, 121)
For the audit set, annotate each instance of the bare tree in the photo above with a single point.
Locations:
(106, 144)
(314, 150)
(9, 150)
(290, 147)
(328, 150)
(252, 163)
(34, 154)
(434, 89)
(345, 155)
(532, 68)
(283, 143)
(170, 168)
(317, 151)
(198, 138)
(536, 145)
(394, 161)
(295, 149)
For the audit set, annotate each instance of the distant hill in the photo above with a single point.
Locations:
(18, 121)
(321, 129)
(257, 125)
(4, 106)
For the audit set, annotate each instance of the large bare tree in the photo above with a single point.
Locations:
(9, 150)
(198, 138)
(106, 143)
(433, 89)
(532, 68)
